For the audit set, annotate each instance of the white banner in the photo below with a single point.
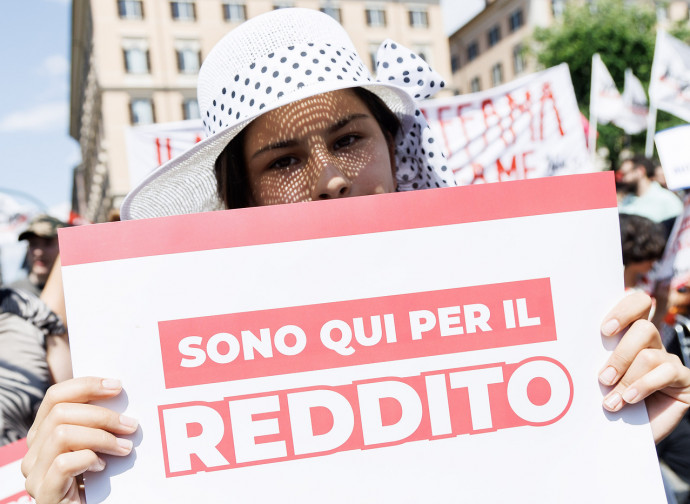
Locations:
(669, 88)
(150, 146)
(606, 103)
(633, 117)
(528, 128)
(672, 147)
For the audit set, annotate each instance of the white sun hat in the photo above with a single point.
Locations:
(274, 59)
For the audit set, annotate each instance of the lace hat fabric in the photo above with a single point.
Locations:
(277, 58)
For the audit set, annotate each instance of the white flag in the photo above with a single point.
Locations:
(669, 88)
(633, 118)
(606, 103)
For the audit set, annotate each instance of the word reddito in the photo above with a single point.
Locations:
(317, 421)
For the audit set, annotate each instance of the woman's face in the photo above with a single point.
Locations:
(323, 147)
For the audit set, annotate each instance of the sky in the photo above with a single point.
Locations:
(37, 155)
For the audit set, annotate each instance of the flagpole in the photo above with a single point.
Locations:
(651, 127)
(592, 132)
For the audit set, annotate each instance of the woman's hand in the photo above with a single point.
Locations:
(67, 435)
(641, 368)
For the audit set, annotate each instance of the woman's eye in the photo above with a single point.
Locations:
(345, 141)
(283, 162)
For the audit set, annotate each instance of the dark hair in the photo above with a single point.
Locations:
(641, 160)
(232, 182)
(641, 239)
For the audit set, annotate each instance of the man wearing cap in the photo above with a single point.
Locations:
(41, 254)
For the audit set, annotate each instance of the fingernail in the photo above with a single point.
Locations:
(128, 421)
(110, 383)
(608, 376)
(613, 401)
(98, 465)
(610, 327)
(630, 395)
(125, 444)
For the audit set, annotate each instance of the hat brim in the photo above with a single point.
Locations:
(187, 183)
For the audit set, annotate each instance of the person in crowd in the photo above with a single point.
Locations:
(41, 235)
(32, 343)
(643, 195)
(291, 114)
(643, 242)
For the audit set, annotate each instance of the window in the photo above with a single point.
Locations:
(130, 9)
(518, 59)
(183, 10)
(286, 4)
(475, 85)
(472, 50)
(455, 63)
(558, 8)
(234, 12)
(418, 18)
(188, 54)
(494, 35)
(141, 111)
(190, 109)
(334, 12)
(136, 56)
(373, 51)
(376, 17)
(516, 20)
(497, 74)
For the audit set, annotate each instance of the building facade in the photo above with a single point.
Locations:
(135, 62)
(489, 49)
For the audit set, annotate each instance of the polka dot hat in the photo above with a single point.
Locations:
(277, 58)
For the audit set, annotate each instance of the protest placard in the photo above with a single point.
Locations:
(430, 346)
(530, 127)
(12, 489)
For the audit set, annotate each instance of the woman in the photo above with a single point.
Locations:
(291, 114)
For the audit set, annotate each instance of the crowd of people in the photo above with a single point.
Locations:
(321, 135)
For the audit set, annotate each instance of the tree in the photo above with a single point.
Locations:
(623, 33)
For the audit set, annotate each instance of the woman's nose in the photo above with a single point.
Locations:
(331, 181)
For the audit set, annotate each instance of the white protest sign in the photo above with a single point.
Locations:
(12, 480)
(151, 145)
(672, 147)
(528, 128)
(675, 263)
(606, 102)
(399, 348)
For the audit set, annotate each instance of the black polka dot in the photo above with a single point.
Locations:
(295, 65)
(280, 93)
(303, 54)
(229, 111)
(322, 51)
(399, 59)
(214, 103)
(300, 85)
(406, 79)
(220, 123)
(283, 59)
(432, 83)
(246, 82)
(262, 106)
(268, 90)
(257, 86)
(252, 66)
(328, 69)
(276, 74)
(288, 79)
(385, 64)
(315, 61)
(290, 48)
(420, 82)
(224, 90)
(251, 102)
(394, 45)
(270, 55)
(308, 72)
(242, 98)
(237, 77)
(263, 69)
(222, 106)
(321, 79)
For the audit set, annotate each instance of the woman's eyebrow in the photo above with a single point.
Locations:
(341, 123)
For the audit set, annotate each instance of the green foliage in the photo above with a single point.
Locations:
(623, 33)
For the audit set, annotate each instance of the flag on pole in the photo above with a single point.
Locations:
(606, 102)
(633, 117)
(669, 87)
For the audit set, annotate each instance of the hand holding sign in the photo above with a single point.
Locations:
(67, 435)
(640, 367)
